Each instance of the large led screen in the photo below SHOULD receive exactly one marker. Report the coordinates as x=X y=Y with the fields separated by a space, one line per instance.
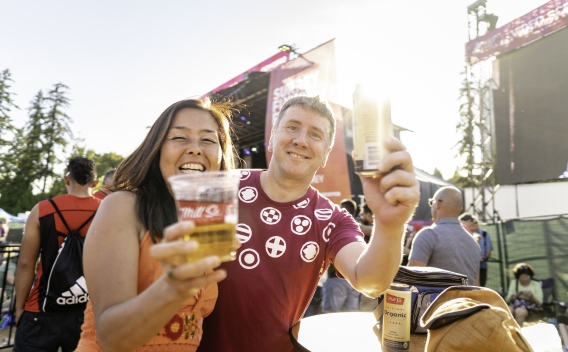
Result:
x=531 y=111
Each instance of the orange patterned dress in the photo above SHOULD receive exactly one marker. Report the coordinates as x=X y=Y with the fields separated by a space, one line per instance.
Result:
x=182 y=333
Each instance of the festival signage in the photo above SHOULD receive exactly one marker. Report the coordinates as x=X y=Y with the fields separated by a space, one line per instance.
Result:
x=541 y=21
x=312 y=73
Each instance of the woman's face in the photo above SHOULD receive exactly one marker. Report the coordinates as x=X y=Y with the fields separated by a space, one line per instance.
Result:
x=525 y=278
x=192 y=144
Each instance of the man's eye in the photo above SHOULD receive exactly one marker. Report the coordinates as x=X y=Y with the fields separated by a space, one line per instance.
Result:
x=292 y=128
x=316 y=135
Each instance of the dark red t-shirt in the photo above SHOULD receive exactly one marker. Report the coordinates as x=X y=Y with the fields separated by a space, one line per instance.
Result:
x=285 y=247
x=76 y=211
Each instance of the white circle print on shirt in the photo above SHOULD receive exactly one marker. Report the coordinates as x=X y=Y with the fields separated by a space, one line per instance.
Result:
x=309 y=251
x=249 y=258
x=301 y=224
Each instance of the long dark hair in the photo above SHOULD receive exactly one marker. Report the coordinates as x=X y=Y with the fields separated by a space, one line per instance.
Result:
x=140 y=171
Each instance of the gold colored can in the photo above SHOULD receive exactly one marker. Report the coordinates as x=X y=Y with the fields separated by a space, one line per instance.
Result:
x=371 y=126
x=396 y=318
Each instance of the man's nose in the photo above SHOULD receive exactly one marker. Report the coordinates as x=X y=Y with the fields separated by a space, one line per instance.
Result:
x=301 y=139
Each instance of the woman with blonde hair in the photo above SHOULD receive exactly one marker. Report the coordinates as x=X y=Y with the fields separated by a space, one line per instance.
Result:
x=140 y=299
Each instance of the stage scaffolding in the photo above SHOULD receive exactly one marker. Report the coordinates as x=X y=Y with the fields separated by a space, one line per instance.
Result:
x=479 y=114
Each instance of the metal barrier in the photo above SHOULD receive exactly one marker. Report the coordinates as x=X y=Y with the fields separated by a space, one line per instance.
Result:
x=9 y=256
x=542 y=243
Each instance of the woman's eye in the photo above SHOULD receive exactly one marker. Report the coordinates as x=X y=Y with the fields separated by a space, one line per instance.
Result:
x=209 y=140
x=177 y=138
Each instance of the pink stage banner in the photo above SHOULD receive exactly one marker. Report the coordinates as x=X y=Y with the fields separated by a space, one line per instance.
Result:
x=312 y=73
x=265 y=66
x=541 y=21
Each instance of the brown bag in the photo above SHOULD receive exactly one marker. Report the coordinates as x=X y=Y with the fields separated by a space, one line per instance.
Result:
x=470 y=318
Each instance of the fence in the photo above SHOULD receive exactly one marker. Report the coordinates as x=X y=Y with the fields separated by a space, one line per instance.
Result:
x=8 y=256
x=542 y=243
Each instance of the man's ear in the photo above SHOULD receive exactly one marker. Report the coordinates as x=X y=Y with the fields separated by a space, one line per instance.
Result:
x=324 y=162
x=95 y=183
x=67 y=181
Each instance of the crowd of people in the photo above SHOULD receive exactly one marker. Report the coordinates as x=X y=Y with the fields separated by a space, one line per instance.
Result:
x=304 y=254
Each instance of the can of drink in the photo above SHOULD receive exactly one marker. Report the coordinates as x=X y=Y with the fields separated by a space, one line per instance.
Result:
x=371 y=126
x=396 y=318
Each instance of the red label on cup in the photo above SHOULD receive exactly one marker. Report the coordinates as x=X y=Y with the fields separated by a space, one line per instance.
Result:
x=202 y=213
x=395 y=299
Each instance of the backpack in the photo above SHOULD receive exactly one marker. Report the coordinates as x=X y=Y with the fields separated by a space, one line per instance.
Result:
x=470 y=318
x=65 y=287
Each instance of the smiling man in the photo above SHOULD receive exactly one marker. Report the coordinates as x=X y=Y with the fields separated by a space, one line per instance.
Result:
x=290 y=234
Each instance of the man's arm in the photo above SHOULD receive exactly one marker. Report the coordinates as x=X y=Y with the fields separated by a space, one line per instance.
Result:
x=392 y=199
x=366 y=229
x=416 y=262
x=29 y=252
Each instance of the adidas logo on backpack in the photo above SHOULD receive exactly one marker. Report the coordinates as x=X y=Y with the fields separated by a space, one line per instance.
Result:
x=77 y=293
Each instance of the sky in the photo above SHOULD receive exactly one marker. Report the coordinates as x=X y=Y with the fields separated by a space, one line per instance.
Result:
x=126 y=61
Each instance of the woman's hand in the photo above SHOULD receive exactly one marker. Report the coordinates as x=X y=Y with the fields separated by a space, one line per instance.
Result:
x=185 y=279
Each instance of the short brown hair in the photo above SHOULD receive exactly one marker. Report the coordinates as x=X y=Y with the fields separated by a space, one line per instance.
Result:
x=315 y=104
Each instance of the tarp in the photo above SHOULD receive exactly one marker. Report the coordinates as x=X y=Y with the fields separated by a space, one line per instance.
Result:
x=10 y=217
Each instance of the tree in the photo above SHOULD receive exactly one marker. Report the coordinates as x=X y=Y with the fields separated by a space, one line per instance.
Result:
x=54 y=131
x=6 y=103
x=437 y=173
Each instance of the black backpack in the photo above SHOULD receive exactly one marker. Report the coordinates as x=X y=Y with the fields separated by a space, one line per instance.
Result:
x=65 y=285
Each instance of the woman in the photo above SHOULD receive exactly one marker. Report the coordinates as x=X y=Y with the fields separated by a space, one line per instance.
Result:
x=139 y=299
x=524 y=293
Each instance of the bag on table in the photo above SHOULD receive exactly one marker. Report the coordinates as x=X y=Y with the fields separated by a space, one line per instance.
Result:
x=470 y=318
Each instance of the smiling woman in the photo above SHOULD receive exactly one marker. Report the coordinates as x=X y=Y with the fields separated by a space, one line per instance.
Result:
x=135 y=239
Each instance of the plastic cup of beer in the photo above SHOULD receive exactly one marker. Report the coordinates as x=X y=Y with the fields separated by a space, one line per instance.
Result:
x=209 y=199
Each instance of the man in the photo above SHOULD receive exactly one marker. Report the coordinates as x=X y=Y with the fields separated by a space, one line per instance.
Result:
x=107 y=183
x=471 y=224
x=366 y=222
x=338 y=294
x=446 y=244
x=290 y=234
x=43 y=326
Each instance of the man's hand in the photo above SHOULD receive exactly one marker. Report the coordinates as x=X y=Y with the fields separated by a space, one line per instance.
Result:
x=393 y=196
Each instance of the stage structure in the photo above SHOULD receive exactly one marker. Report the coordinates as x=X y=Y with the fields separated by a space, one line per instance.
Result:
x=517 y=105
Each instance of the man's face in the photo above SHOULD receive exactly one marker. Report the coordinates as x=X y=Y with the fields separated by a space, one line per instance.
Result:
x=473 y=226
x=465 y=225
x=367 y=218
x=300 y=143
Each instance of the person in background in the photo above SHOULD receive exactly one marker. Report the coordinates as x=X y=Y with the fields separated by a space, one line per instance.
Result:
x=446 y=244
x=407 y=244
x=524 y=293
x=38 y=329
x=3 y=229
x=471 y=224
x=338 y=294
x=296 y=232
x=8 y=268
x=107 y=184
x=144 y=296
x=366 y=222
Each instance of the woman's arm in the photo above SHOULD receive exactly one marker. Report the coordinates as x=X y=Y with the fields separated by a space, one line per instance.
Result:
x=124 y=319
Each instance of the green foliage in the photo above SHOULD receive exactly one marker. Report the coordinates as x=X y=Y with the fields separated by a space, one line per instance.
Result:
x=104 y=162
x=462 y=181
x=28 y=159
x=437 y=173
x=6 y=103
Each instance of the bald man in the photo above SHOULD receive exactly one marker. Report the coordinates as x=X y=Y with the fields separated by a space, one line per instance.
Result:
x=446 y=244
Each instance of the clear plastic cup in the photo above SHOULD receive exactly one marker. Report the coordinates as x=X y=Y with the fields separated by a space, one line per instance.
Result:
x=209 y=199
